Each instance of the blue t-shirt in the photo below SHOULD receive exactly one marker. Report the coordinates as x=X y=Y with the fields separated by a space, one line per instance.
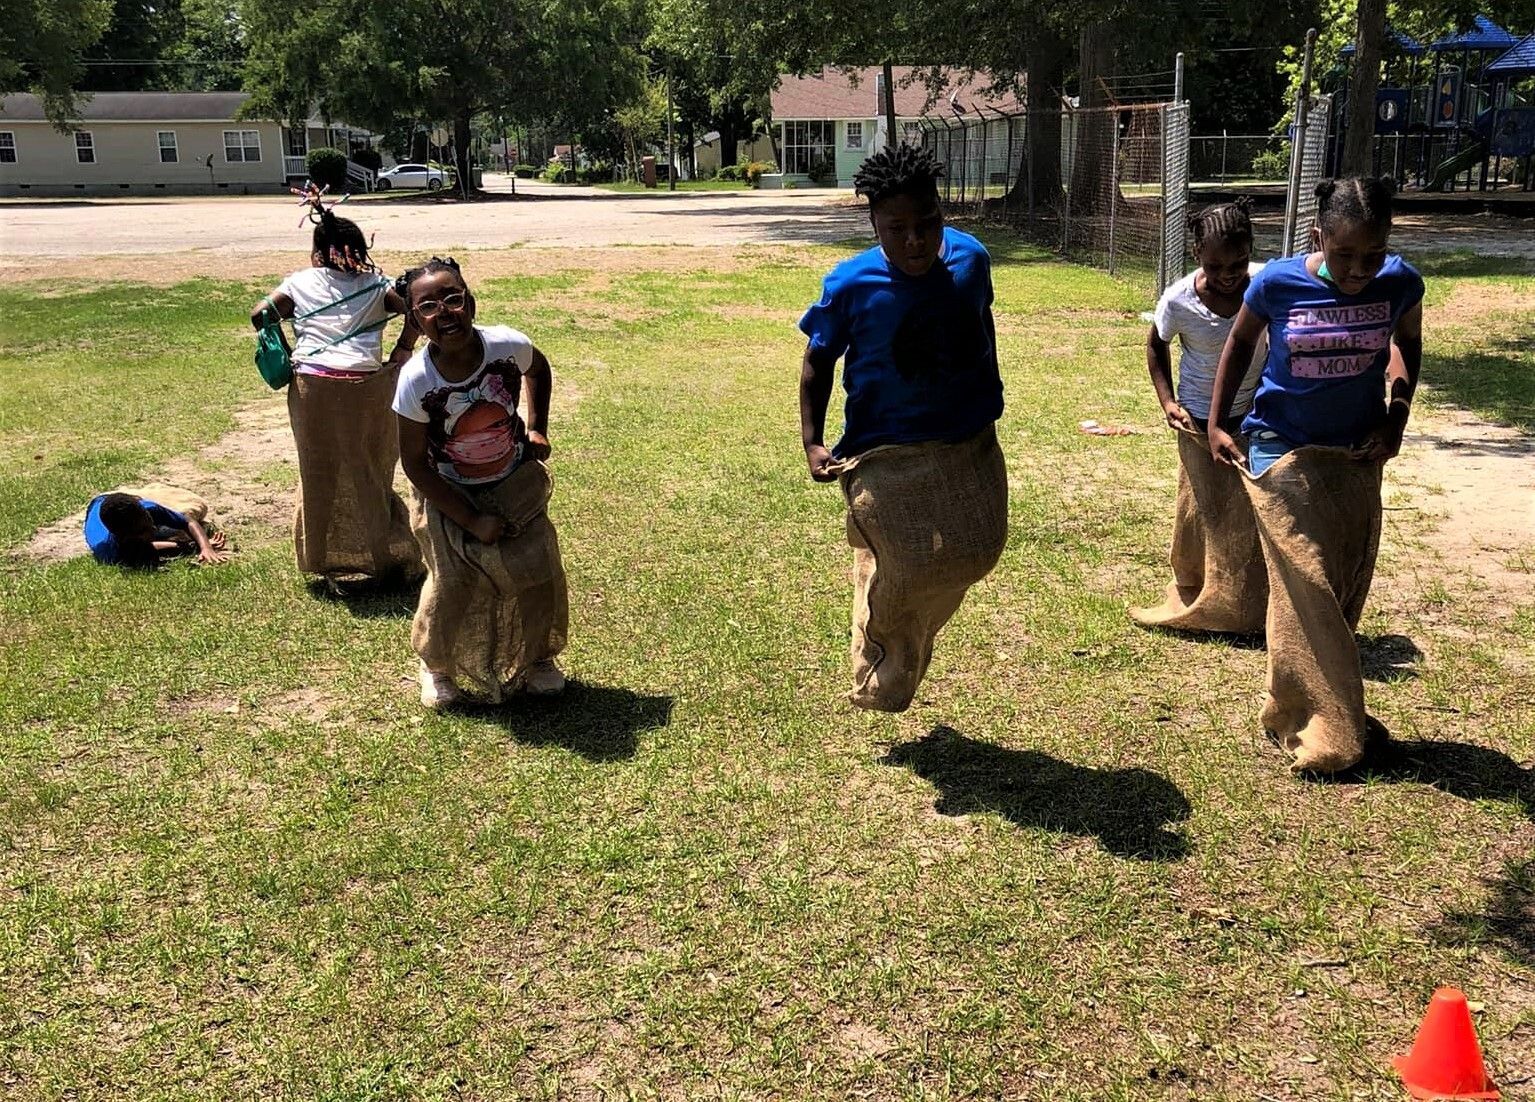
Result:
x=1324 y=381
x=921 y=351
x=103 y=544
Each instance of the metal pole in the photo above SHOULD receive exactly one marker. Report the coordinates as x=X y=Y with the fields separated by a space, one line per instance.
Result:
x=671 y=135
x=1298 y=147
x=1224 y=139
x=890 y=138
x=1178 y=78
x=1114 y=190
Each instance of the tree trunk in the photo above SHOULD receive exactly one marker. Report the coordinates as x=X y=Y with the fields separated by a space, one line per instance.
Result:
x=728 y=139
x=461 y=157
x=1364 y=81
x=1039 y=171
x=1092 y=177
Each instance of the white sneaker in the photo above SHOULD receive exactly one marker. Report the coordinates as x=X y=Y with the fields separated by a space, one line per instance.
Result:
x=543 y=679
x=437 y=689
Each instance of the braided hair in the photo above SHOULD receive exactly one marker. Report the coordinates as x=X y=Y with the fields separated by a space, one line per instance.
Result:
x=1362 y=199
x=339 y=244
x=410 y=275
x=1227 y=223
x=898 y=170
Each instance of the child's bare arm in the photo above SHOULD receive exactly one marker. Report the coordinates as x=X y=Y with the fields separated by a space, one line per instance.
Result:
x=485 y=527
x=1159 y=362
x=1402 y=369
x=1246 y=331
x=538 y=385
x=280 y=302
x=816 y=375
x=206 y=550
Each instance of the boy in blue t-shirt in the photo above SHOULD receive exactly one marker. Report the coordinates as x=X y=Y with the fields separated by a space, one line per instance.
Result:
x=918 y=459
x=127 y=530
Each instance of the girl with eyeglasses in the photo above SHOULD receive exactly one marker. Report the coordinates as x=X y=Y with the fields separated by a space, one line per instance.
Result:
x=493 y=612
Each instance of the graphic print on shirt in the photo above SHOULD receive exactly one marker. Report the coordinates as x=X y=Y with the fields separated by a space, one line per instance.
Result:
x=938 y=338
x=474 y=428
x=1336 y=341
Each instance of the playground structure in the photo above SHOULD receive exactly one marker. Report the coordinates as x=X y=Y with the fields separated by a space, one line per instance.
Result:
x=1455 y=115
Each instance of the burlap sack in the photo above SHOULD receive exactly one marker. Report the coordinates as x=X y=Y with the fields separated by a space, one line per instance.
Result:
x=185 y=502
x=926 y=522
x=1220 y=582
x=1318 y=513
x=349 y=520
x=489 y=611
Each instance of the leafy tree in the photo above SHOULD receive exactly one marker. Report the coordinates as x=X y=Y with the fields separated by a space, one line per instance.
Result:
x=374 y=62
x=42 y=43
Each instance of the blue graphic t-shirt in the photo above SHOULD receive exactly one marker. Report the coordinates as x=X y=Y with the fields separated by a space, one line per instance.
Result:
x=1324 y=381
x=921 y=351
x=103 y=544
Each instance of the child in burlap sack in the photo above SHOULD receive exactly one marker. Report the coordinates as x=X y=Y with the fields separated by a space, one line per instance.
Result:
x=493 y=612
x=1219 y=581
x=349 y=526
x=918 y=461
x=1345 y=330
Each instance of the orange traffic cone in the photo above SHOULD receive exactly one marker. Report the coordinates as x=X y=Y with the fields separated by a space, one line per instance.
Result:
x=1446 y=1061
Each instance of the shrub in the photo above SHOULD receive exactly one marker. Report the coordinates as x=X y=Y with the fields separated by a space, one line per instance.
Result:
x=557 y=172
x=369 y=158
x=1272 y=164
x=525 y=172
x=327 y=167
x=733 y=172
x=822 y=171
x=756 y=170
x=598 y=172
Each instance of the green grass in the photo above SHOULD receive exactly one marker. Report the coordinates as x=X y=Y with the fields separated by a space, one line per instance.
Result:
x=238 y=861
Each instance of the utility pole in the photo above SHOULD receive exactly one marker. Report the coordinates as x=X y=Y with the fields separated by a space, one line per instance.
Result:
x=671 y=135
x=890 y=138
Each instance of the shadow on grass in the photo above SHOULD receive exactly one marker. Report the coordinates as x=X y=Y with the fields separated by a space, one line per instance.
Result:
x=1494 y=380
x=1507 y=920
x=1388 y=658
x=1470 y=265
x=1459 y=768
x=599 y=722
x=381 y=600
x=1127 y=810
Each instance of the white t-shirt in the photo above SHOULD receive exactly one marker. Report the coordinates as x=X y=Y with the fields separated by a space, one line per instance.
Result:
x=1203 y=333
x=314 y=288
x=474 y=434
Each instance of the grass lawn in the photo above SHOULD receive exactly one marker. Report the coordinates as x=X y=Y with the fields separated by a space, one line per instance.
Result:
x=238 y=861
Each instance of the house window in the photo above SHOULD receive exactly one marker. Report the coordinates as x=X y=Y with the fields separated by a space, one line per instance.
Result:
x=167 y=139
x=242 y=145
x=85 y=147
x=806 y=142
x=298 y=142
x=7 y=147
x=854 y=135
x=911 y=133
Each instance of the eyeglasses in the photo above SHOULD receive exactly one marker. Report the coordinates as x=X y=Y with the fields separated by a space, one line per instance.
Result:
x=431 y=307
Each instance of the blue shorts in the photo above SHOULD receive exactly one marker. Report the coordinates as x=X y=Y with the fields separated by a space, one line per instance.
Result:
x=1264 y=450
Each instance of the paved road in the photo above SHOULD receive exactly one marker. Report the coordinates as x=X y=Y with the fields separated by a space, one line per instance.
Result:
x=539 y=215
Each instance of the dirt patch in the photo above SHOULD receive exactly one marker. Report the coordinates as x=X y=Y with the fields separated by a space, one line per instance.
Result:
x=1474 y=481
x=306 y=704
x=241 y=475
x=1470 y=305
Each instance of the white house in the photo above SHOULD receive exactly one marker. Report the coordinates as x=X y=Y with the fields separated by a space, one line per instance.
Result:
x=156 y=143
x=826 y=125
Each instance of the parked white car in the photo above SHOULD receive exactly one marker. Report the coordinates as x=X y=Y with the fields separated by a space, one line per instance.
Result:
x=412 y=175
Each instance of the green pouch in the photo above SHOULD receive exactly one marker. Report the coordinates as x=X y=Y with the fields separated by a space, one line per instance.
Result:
x=271 y=353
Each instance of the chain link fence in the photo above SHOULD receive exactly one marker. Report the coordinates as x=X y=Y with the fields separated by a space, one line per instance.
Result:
x=1104 y=186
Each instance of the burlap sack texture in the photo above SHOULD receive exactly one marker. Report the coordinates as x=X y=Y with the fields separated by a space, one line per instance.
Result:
x=489 y=611
x=1318 y=513
x=926 y=522
x=349 y=520
x=1220 y=582
x=185 y=502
